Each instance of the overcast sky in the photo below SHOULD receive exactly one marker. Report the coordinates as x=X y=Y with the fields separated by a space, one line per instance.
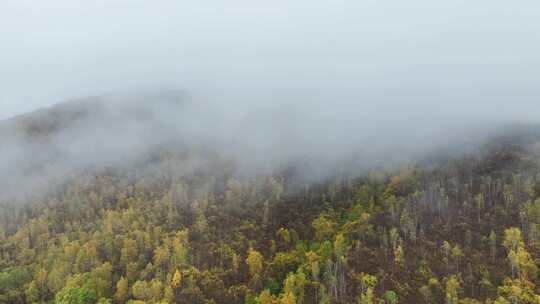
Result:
x=460 y=57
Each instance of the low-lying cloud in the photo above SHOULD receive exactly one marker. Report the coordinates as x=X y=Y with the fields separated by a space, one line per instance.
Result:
x=42 y=150
x=355 y=82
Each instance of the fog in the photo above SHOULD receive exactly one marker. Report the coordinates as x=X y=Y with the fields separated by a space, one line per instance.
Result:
x=457 y=58
x=270 y=81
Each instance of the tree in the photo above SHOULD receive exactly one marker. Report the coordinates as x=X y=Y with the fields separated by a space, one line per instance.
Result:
x=394 y=237
x=132 y=271
x=156 y=288
x=161 y=258
x=534 y=234
x=141 y=291
x=266 y=298
x=180 y=249
x=399 y=255
x=56 y=278
x=41 y=279
x=101 y=280
x=32 y=293
x=367 y=285
x=367 y=298
x=425 y=291
x=447 y=251
x=287 y=298
x=521 y=262
x=366 y=281
x=254 y=261
x=390 y=297
x=526 y=265
x=512 y=239
x=493 y=244
x=284 y=235
x=486 y=287
x=457 y=253
x=168 y=294
x=76 y=296
x=176 y=281
x=451 y=290
x=83 y=262
x=516 y=291
x=364 y=197
x=313 y=263
x=122 y=290
x=129 y=251
x=324 y=227
x=295 y=284
x=340 y=246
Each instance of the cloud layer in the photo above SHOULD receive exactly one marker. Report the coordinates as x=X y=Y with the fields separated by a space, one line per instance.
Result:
x=323 y=81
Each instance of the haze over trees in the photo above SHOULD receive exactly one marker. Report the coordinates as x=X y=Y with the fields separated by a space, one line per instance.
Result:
x=177 y=223
x=324 y=152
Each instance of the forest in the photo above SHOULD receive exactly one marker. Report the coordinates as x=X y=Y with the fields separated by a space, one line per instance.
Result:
x=447 y=229
x=269 y=152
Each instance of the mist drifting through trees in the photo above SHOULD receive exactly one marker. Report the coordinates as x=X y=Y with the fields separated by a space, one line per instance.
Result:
x=281 y=152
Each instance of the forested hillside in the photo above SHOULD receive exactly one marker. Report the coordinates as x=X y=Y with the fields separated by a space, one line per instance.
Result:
x=461 y=229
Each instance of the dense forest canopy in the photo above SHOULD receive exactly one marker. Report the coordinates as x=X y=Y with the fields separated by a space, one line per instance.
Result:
x=181 y=223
